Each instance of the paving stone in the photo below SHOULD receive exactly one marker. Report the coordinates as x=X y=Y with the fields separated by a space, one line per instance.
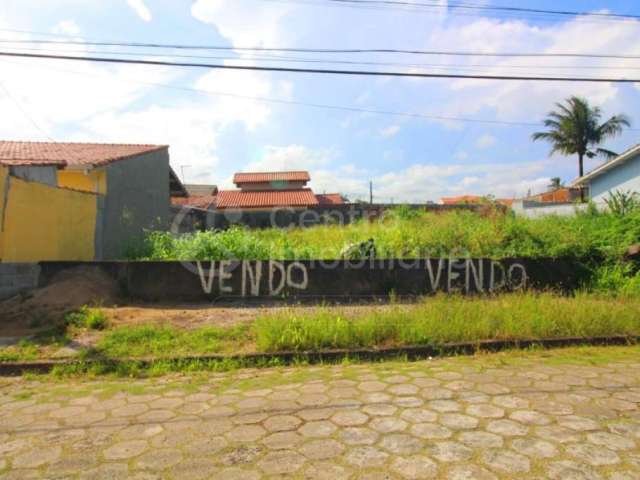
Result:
x=317 y=429
x=431 y=431
x=479 y=439
x=366 y=457
x=358 y=436
x=534 y=448
x=416 y=467
x=327 y=471
x=569 y=470
x=380 y=410
x=595 y=455
x=388 y=424
x=349 y=418
x=280 y=423
x=321 y=449
x=373 y=386
x=37 y=457
x=484 y=410
x=457 y=421
x=281 y=462
x=579 y=424
x=401 y=444
x=245 y=433
x=611 y=441
x=507 y=428
x=470 y=472
x=444 y=406
x=125 y=450
x=506 y=461
x=159 y=459
x=530 y=417
x=237 y=473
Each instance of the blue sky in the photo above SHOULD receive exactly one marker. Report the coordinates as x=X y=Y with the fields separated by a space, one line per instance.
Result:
x=407 y=158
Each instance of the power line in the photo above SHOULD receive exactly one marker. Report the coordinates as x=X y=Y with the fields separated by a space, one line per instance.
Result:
x=24 y=112
x=443 y=118
x=468 y=6
x=288 y=59
x=319 y=70
x=331 y=50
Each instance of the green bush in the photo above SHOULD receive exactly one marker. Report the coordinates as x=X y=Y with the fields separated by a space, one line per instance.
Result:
x=86 y=317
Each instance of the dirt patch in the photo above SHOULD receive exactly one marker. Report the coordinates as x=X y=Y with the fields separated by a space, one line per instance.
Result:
x=202 y=315
x=67 y=291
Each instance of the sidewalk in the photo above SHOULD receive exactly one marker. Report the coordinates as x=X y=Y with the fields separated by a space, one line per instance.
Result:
x=465 y=418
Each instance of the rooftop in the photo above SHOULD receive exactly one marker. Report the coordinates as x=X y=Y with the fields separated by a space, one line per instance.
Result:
x=64 y=154
x=265 y=177
x=605 y=167
x=265 y=199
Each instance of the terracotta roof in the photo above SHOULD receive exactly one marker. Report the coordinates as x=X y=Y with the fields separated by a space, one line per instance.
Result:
x=263 y=199
x=69 y=154
x=330 y=199
x=202 y=201
x=266 y=177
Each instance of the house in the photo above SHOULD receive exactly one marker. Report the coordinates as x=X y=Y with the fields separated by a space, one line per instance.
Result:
x=200 y=196
x=79 y=201
x=267 y=190
x=620 y=174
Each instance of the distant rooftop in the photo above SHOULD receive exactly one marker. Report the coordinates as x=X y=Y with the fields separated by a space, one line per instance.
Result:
x=266 y=177
x=66 y=154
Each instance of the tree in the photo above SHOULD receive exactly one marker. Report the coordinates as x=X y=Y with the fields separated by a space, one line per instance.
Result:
x=575 y=128
x=556 y=183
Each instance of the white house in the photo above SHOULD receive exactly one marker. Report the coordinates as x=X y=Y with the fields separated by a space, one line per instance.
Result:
x=620 y=174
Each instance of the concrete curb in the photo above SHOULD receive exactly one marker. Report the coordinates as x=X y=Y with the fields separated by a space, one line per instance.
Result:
x=288 y=357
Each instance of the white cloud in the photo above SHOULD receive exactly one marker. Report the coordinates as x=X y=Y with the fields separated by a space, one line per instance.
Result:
x=66 y=27
x=390 y=131
x=248 y=23
x=486 y=141
x=141 y=9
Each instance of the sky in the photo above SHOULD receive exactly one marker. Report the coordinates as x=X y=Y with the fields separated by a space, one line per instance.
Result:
x=218 y=122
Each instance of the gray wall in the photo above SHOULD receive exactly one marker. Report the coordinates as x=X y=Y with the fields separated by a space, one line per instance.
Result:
x=41 y=174
x=625 y=177
x=526 y=208
x=17 y=277
x=137 y=199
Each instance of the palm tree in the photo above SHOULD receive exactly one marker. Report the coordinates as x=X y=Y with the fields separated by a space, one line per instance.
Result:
x=575 y=128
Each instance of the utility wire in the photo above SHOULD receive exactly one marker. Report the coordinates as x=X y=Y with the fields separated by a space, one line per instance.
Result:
x=299 y=103
x=24 y=112
x=469 y=6
x=317 y=70
x=329 y=50
x=288 y=59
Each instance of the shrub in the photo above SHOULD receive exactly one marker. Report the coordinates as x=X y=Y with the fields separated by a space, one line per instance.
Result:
x=91 y=318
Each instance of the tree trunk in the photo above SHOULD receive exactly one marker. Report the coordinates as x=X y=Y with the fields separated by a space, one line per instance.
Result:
x=581 y=171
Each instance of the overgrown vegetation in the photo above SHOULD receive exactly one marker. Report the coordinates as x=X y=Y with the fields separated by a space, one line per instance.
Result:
x=445 y=319
x=599 y=238
x=87 y=317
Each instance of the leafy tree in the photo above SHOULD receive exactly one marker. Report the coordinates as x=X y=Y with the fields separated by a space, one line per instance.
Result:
x=556 y=183
x=575 y=128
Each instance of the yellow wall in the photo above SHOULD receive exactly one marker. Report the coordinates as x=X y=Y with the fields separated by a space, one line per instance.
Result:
x=47 y=223
x=94 y=181
x=4 y=174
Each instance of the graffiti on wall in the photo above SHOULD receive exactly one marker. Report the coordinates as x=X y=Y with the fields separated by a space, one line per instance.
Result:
x=272 y=278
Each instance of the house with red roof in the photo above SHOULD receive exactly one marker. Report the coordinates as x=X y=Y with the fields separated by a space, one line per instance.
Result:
x=261 y=191
x=79 y=201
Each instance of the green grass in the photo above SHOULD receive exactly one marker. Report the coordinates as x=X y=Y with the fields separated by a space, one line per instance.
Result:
x=420 y=234
x=166 y=341
x=445 y=319
x=86 y=317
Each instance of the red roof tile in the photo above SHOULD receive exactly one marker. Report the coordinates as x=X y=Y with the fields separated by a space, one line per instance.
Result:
x=69 y=154
x=266 y=177
x=202 y=201
x=330 y=199
x=263 y=199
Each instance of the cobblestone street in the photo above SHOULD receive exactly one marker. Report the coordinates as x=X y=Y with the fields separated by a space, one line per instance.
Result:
x=467 y=418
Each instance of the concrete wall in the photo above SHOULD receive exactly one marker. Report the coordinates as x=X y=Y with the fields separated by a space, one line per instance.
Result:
x=313 y=279
x=526 y=208
x=17 y=277
x=44 y=174
x=625 y=177
x=40 y=222
x=137 y=199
